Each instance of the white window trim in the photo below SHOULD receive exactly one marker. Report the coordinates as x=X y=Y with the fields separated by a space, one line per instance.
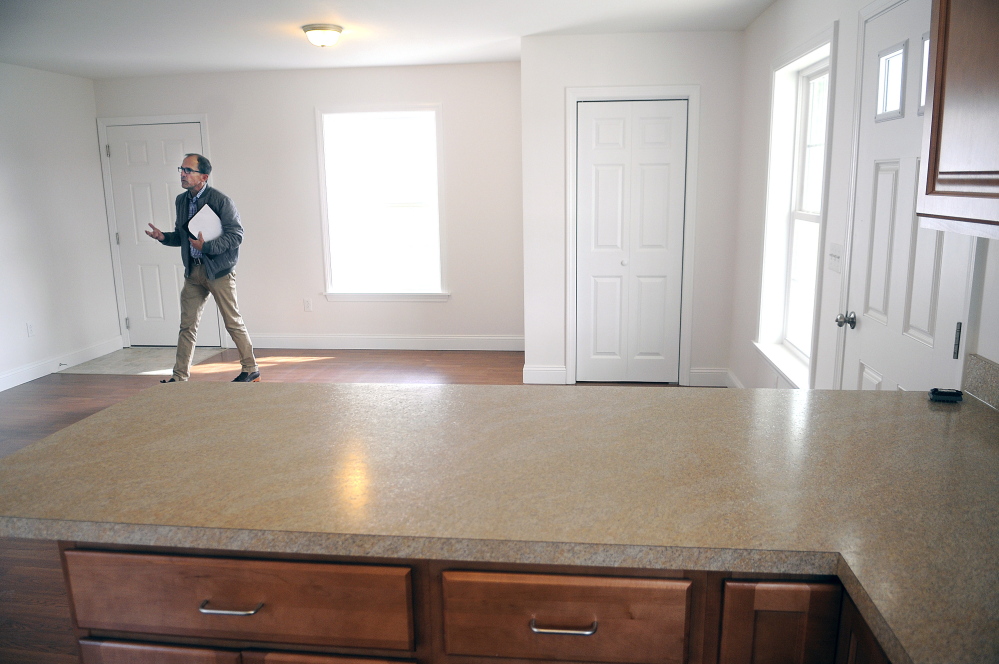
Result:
x=780 y=185
x=336 y=296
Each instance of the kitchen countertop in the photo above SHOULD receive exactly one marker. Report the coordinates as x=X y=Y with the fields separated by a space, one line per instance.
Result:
x=897 y=496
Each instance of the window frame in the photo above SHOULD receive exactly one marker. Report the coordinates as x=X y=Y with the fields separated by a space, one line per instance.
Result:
x=337 y=296
x=792 y=368
x=803 y=108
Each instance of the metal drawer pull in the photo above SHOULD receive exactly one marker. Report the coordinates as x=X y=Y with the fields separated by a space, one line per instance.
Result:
x=222 y=612
x=571 y=632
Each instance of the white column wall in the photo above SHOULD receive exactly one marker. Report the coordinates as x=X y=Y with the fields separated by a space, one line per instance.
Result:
x=55 y=266
x=549 y=65
x=263 y=143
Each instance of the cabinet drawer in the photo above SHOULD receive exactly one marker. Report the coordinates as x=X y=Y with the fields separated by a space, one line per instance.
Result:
x=576 y=618
x=117 y=652
x=283 y=602
x=253 y=657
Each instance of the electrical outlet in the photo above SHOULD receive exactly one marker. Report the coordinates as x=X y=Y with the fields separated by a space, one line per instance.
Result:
x=31 y=329
x=308 y=304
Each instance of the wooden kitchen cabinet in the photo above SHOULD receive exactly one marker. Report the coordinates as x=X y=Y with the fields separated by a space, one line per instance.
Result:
x=120 y=652
x=359 y=606
x=857 y=644
x=959 y=173
x=468 y=614
x=566 y=617
x=116 y=652
x=766 y=622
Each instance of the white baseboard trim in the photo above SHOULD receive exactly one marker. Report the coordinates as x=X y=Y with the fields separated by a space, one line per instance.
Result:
x=388 y=342
x=713 y=378
x=30 y=372
x=542 y=375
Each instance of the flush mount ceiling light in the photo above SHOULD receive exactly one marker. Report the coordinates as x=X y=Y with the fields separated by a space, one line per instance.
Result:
x=322 y=34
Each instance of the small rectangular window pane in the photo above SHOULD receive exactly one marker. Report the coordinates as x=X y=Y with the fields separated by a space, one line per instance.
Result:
x=381 y=195
x=811 y=191
x=801 y=285
x=890 y=79
x=926 y=72
x=813 y=160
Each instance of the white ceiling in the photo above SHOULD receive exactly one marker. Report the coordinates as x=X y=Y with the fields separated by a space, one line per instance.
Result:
x=115 y=38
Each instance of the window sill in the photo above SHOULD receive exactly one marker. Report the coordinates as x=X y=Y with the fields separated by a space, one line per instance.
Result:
x=388 y=297
x=786 y=363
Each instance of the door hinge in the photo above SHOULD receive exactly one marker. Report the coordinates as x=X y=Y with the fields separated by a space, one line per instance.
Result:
x=957 y=341
x=128 y=326
x=117 y=240
x=107 y=150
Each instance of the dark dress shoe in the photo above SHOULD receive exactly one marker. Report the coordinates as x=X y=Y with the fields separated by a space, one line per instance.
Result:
x=252 y=377
x=172 y=380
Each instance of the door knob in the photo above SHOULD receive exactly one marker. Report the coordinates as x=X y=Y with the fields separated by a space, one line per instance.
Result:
x=624 y=262
x=850 y=319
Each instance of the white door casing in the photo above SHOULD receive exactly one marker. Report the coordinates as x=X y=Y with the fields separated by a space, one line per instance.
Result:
x=141 y=183
x=631 y=180
x=909 y=286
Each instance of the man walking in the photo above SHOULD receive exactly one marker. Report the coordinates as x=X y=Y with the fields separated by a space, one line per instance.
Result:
x=208 y=268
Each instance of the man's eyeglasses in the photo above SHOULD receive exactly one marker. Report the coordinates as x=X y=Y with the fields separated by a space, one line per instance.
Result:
x=185 y=170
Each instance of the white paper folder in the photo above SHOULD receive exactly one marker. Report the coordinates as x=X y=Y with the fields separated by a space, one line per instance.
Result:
x=205 y=222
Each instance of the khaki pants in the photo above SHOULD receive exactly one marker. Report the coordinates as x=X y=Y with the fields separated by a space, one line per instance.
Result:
x=192 y=302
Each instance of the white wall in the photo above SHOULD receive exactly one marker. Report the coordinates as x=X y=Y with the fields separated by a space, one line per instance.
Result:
x=551 y=64
x=55 y=266
x=263 y=144
x=782 y=28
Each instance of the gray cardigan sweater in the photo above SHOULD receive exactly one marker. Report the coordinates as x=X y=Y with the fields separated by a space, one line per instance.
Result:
x=219 y=255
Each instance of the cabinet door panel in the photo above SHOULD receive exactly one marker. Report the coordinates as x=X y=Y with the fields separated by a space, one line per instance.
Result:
x=115 y=652
x=363 y=606
x=779 y=623
x=857 y=644
x=575 y=618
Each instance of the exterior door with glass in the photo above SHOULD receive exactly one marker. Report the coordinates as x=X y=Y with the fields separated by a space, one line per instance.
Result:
x=909 y=286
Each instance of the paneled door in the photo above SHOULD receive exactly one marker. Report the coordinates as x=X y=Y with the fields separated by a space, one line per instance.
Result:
x=143 y=161
x=631 y=170
x=908 y=285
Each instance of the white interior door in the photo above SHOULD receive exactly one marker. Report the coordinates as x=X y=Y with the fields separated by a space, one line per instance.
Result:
x=631 y=171
x=143 y=162
x=908 y=285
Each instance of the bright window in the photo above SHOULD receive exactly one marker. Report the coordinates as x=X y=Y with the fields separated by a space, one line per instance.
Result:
x=806 y=209
x=891 y=83
x=926 y=72
x=796 y=202
x=382 y=207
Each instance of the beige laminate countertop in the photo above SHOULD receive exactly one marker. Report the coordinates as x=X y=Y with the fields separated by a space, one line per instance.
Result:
x=896 y=495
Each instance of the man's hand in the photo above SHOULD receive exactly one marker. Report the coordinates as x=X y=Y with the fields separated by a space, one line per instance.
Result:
x=199 y=243
x=156 y=233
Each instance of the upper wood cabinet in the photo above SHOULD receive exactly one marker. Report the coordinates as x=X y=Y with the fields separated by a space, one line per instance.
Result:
x=959 y=173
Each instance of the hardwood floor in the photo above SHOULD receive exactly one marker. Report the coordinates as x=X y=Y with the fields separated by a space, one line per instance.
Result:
x=372 y=366
x=34 y=410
